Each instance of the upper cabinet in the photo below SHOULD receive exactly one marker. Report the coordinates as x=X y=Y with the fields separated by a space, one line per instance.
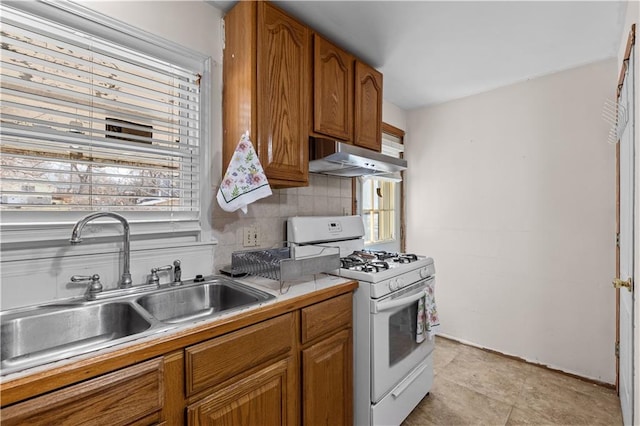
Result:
x=282 y=88
x=347 y=97
x=368 y=107
x=332 y=90
x=266 y=89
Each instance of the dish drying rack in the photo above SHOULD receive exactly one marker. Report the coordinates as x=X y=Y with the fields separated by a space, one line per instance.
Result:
x=286 y=263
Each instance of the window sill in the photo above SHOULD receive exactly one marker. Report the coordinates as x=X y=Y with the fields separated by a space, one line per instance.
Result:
x=47 y=234
x=99 y=247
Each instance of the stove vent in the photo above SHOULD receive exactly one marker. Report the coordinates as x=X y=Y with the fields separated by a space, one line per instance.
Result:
x=335 y=158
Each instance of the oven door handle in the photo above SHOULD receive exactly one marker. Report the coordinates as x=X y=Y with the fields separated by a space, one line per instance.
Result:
x=394 y=303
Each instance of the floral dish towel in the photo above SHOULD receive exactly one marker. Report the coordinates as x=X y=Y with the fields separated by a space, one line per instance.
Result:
x=245 y=181
x=427 y=318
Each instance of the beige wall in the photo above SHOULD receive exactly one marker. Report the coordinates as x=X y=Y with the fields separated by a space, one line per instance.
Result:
x=512 y=193
x=394 y=115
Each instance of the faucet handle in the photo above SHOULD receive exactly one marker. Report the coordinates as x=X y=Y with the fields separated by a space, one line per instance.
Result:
x=177 y=272
x=94 y=288
x=154 y=278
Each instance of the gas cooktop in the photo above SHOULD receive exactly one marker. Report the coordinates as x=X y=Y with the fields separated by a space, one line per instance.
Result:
x=374 y=260
x=374 y=266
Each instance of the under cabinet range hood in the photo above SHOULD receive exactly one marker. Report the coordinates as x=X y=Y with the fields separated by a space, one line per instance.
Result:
x=330 y=157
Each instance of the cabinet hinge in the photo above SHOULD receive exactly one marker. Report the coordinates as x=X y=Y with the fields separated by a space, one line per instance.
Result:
x=617 y=239
x=617 y=349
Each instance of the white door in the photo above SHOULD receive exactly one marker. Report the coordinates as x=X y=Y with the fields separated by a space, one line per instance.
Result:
x=627 y=247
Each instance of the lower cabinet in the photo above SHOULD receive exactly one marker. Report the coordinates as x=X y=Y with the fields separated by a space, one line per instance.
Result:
x=262 y=398
x=293 y=369
x=327 y=378
x=327 y=362
x=133 y=395
x=247 y=377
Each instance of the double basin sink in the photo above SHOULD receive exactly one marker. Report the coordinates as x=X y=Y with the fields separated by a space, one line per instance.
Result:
x=38 y=335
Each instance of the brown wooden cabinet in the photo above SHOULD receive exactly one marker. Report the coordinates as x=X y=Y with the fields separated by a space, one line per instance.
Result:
x=327 y=377
x=368 y=107
x=133 y=395
x=327 y=365
x=266 y=74
x=332 y=90
x=272 y=89
x=347 y=97
x=245 y=377
x=265 y=397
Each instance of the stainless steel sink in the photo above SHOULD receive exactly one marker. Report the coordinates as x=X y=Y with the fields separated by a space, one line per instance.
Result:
x=39 y=335
x=191 y=303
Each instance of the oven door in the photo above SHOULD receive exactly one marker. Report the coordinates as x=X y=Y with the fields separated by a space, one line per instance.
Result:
x=394 y=350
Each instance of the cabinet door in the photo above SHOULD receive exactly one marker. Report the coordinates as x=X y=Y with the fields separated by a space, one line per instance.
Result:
x=368 y=107
x=266 y=397
x=332 y=90
x=237 y=352
x=283 y=73
x=327 y=376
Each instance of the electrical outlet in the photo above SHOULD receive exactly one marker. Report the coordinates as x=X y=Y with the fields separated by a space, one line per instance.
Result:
x=251 y=236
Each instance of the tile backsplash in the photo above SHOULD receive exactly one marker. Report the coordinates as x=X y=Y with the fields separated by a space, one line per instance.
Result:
x=31 y=281
x=325 y=195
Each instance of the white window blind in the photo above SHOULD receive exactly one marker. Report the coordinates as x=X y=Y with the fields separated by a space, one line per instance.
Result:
x=392 y=145
x=88 y=124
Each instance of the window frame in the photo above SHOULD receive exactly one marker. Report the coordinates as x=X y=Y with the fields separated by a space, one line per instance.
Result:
x=356 y=191
x=381 y=209
x=400 y=134
x=23 y=229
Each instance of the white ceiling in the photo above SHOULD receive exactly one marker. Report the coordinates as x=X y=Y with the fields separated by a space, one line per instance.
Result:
x=434 y=51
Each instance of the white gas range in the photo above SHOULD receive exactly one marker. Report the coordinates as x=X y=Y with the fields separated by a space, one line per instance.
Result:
x=393 y=369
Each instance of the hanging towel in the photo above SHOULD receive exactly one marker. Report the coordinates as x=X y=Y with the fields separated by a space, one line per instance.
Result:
x=421 y=323
x=245 y=181
x=427 y=318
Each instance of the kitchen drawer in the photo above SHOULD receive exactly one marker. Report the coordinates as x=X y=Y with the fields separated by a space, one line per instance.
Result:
x=216 y=360
x=133 y=395
x=326 y=316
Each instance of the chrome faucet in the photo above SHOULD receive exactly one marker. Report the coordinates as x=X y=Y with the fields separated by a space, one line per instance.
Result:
x=125 y=280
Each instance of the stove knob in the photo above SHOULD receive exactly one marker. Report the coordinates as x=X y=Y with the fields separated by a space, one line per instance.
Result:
x=424 y=272
x=393 y=285
x=400 y=282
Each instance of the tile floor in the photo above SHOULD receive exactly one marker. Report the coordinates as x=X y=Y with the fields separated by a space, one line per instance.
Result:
x=476 y=387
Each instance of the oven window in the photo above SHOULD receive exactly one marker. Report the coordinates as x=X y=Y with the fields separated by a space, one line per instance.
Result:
x=402 y=333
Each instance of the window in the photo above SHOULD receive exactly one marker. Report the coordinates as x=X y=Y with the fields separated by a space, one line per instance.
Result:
x=378 y=210
x=96 y=116
x=380 y=199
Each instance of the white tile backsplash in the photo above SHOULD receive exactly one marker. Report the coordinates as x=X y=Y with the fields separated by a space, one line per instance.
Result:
x=33 y=281
x=334 y=186
x=325 y=195
x=345 y=187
